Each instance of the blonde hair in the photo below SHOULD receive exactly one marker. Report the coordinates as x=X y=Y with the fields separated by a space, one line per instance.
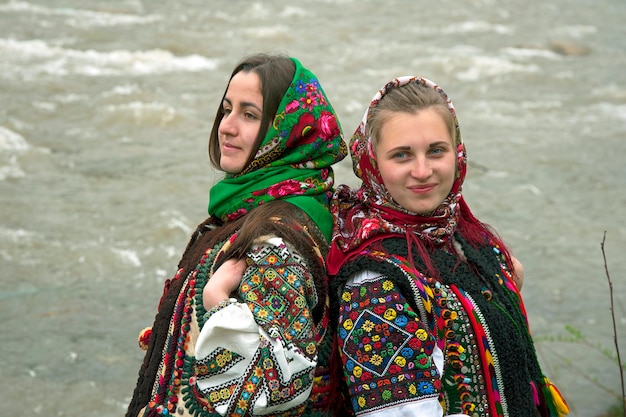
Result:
x=409 y=98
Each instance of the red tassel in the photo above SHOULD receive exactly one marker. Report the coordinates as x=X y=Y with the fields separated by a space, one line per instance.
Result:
x=144 y=338
x=535 y=394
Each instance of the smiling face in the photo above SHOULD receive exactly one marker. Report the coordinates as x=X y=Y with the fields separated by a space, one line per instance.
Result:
x=239 y=128
x=416 y=159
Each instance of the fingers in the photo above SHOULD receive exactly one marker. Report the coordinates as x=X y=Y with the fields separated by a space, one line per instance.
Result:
x=518 y=272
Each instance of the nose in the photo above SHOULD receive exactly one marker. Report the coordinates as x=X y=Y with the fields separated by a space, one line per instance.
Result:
x=228 y=126
x=421 y=169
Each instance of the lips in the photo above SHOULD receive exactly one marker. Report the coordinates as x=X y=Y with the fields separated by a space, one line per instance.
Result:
x=422 y=189
x=229 y=147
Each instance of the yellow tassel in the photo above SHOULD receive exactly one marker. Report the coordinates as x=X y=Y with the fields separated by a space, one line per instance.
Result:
x=559 y=402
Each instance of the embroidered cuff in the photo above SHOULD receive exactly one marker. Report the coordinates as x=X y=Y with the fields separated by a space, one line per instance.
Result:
x=221 y=305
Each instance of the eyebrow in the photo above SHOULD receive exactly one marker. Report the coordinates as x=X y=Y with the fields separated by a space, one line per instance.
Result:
x=432 y=145
x=439 y=143
x=399 y=148
x=243 y=104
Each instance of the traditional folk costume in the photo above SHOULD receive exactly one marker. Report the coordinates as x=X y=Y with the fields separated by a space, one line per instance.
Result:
x=265 y=351
x=430 y=322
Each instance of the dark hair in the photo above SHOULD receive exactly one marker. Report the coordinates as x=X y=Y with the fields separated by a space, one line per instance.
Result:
x=280 y=218
x=275 y=73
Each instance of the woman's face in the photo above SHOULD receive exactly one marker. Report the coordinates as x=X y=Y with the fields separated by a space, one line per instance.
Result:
x=239 y=128
x=416 y=159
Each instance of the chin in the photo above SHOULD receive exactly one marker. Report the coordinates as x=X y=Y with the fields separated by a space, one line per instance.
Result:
x=423 y=211
x=230 y=169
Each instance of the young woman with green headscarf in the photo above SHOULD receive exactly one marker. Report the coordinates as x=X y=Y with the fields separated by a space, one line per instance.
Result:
x=241 y=328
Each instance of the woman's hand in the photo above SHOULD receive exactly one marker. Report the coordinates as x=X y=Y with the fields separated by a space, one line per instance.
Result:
x=223 y=282
x=518 y=273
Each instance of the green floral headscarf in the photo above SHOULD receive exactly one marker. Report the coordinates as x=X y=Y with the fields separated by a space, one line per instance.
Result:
x=293 y=162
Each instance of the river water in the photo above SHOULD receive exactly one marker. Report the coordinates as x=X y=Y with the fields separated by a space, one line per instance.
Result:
x=105 y=110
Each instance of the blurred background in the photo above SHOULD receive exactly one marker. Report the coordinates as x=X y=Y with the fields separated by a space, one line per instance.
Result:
x=105 y=111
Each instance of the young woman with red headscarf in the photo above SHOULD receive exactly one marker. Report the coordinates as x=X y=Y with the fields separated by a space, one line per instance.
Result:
x=430 y=318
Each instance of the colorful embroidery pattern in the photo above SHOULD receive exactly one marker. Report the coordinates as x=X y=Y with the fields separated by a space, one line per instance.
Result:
x=385 y=348
x=465 y=389
x=219 y=361
x=462 y=338
x=276 y=295
x=168 y=385
x=473 y=381
x=263 y=376
x=284 y=369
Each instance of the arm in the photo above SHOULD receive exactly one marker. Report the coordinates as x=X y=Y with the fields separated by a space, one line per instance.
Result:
x=261 y=350
x=518 y=272
x=224 y=281
x=392 y=364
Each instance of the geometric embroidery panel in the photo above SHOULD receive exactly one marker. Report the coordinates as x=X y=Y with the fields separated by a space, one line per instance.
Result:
x=374 y=342
x=275 y=293
x=218 y=362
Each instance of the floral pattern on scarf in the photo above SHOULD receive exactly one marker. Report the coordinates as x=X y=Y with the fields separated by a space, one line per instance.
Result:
x=293 y=160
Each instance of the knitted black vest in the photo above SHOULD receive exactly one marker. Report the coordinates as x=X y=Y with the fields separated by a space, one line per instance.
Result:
x=480 y=278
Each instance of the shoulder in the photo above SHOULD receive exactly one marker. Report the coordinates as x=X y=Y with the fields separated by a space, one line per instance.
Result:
x=373 y=265
x=364 y=277
x=288 y=222
x=282 y=220
x=382 y=257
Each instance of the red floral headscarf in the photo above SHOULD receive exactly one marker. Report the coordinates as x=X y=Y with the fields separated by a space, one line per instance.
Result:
x=369 y=213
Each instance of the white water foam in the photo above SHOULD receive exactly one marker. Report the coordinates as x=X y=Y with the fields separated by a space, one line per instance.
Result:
x=129 y=257
x=489 y=66
x=31 y=58
x=141 y=112
x=80 y=17
x=475 y=27
x=12 y=141
x=530 y=53
x=12 y=170
x=17 y=235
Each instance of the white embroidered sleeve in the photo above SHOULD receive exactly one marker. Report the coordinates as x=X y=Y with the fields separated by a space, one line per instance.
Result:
x=258 y=356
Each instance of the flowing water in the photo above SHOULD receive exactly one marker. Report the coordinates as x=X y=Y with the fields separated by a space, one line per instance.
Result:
x=105 y=110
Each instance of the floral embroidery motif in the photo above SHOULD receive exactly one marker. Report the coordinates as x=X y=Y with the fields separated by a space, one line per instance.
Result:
x=386 y=349
x=377 y=352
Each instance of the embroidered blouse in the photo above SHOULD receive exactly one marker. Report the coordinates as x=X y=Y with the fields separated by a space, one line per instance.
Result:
x=420 y=347
x=264 y=352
